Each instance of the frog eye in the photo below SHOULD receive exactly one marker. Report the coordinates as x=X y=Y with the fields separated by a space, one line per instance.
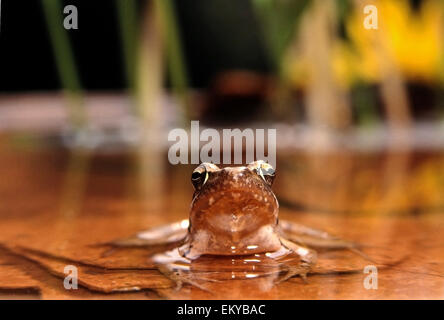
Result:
x=199 y=177
x=267 y=174
x=264 y=170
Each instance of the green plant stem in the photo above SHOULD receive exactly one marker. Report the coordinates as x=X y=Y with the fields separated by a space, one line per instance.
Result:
x=176 y=62
x=65 y=61
x=127 y=14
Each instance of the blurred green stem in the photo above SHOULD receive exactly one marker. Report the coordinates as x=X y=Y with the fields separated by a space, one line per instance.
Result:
x=279 y=21
x=65 y=62
x=74 y=182
x=365 y=103
x=176 y=62
x=127 y=13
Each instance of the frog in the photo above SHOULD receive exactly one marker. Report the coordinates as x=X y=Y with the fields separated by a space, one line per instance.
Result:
x=235 y=213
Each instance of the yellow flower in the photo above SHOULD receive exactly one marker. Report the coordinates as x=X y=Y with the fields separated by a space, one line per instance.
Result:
x=411 y=40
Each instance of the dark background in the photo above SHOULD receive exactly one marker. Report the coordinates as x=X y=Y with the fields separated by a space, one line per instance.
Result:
x=217 y=35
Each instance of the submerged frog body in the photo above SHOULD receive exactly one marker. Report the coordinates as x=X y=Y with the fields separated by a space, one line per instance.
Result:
x=234 y=213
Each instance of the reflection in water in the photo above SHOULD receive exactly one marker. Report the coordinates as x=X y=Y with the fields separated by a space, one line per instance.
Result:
x=75 y=182
x=356 y=183
x=266 y=268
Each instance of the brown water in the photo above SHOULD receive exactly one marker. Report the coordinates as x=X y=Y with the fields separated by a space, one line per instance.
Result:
x=390 y=202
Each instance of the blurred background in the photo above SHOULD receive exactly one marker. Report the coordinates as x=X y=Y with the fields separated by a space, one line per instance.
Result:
x=359 y=112
x=270 y=54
